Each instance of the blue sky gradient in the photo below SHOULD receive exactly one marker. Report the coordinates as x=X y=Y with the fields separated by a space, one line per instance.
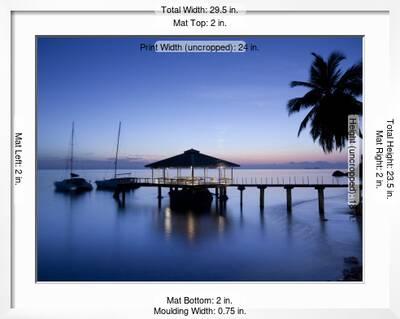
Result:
x=229 y=105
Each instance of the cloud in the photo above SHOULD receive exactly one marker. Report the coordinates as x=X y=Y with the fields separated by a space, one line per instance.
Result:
x=87 y=163
x=138 y=161
x=133 y=158
x=298 y=165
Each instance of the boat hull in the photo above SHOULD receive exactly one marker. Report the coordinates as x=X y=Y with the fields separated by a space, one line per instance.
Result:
x=113 y=183
x=195 y=198
x=73 y=185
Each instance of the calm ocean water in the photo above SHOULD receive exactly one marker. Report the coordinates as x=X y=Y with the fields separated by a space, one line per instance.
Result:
x=89 y=237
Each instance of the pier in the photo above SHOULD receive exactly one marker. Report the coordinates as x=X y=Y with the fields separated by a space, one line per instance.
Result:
x=220 y=187
x=190 y=185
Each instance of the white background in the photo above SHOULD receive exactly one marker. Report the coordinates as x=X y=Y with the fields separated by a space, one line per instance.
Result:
x=50 y=301
x=372 y=293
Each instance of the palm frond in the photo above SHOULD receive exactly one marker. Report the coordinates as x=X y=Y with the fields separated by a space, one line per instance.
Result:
x=304 y=84
x=333 y=63
x=305 y=121
x=335 y=58
x=351 y=80
x=318 y=71
x=309 y=99
x=332 y=96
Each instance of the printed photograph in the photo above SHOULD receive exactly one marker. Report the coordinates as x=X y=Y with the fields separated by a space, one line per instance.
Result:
x=199 y=158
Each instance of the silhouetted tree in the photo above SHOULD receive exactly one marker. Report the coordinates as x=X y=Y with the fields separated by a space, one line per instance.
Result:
x=331 y=97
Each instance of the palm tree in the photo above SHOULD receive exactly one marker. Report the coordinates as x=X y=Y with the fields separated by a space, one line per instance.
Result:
x=332 y=96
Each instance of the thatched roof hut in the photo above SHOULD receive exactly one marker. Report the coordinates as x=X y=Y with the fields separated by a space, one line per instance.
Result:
x=192 y=159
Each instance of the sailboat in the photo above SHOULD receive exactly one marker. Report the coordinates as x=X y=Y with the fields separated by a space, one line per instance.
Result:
x=74 y=183
x=113 y=183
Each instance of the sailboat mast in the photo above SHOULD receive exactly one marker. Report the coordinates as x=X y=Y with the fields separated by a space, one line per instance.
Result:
x=72 y=148
x=116 y=153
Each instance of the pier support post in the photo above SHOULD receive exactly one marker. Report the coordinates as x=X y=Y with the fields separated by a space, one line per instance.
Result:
x=116 y=194
x=216 y=192
x=159 y=196
x=120 y=199
x=321 y=201
x=223 y=195
x=289 y=198
x=262 y=191
x=241 y=189
x=222 y=199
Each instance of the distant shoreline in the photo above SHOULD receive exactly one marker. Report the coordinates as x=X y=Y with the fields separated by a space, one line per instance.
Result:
x=123 y=164
x=239 y=168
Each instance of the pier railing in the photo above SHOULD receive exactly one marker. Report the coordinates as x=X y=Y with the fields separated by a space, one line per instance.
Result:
x=289 y=180
x=288 y=183
x=183 y=181
x=270 y=181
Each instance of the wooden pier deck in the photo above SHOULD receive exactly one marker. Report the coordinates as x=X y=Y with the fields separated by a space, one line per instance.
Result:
x=221 y=185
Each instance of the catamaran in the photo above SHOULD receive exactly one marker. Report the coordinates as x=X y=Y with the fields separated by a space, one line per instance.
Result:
x=113 y=183
x=74 y=183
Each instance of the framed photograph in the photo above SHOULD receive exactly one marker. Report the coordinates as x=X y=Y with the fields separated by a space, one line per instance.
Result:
x=200 y=161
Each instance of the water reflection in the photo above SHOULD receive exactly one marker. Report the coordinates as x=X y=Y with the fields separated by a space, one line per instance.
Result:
x=168 y=221
x=289 y=228
x=262 y=220
x=221 y=224
x=72 y=196
x=192 y=224
x=90 y=237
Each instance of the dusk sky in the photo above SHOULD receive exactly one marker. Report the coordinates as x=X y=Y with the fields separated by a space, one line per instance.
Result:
x=229 y=105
